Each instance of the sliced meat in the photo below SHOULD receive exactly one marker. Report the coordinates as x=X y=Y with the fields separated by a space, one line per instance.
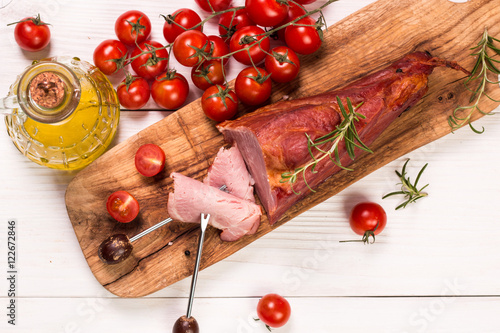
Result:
x=229 y=169
x=236 y=217
x=272 y=139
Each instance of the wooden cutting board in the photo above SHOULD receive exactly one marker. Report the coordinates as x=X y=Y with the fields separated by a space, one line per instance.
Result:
x=366 y=41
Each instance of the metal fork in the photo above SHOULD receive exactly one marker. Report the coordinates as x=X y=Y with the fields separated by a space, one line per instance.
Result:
x=203 y=226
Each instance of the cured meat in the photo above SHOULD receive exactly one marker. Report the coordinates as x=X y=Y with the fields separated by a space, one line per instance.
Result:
x=236 y=217
x=229 y=169
x=272 y=140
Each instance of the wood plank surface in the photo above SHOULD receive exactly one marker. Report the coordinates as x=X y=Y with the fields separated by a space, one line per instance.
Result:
x=363 y=42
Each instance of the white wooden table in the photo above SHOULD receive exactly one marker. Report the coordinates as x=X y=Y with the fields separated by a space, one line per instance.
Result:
x=436 y=267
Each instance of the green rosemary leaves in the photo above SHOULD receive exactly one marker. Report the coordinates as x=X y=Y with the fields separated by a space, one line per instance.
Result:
x=479 y=75
x=345 y=131
x=410 y=191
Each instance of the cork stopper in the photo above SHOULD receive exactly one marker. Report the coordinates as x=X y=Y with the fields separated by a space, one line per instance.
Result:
x=47 y=90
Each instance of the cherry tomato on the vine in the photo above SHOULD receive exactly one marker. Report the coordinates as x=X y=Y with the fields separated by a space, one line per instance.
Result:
x=174 y=22
x=133 y=92
x=216 y=5
x=218 y=48
x=249 y=36
x=149 y=65
x=132 y=27
x=283 y=64
x=253 y=86
x=190 y=47
x=207 y=74
x=149 y=160
x=32 y=34
x=367 y=219
x=302 y=36
x=219 y=103
x=294 y=11
x=274 y=310
x=267 y=13
x=170 y=90
x=110 y=56
x=122 y=206
x=231 y=21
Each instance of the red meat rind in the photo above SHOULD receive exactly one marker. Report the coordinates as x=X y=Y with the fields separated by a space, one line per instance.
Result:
x=272 y=139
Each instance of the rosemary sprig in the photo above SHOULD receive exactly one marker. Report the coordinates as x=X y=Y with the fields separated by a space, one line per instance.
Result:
x=409 y=190
x=345 y=131
x=484 y=64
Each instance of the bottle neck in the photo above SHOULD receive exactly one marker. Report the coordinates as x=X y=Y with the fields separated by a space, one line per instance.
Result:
x=48 y=92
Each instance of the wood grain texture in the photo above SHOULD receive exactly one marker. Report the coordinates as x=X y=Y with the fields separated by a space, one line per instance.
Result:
x=364 y=42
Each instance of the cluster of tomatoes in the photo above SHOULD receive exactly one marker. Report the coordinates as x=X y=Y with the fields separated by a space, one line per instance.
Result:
x=245 y=34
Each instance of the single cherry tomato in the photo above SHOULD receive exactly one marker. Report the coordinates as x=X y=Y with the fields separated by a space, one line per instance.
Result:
x=231 y=21
x=110 y=56
x=122 y=206
x=253 y=86
x=170 y=90
x=294 y=11
x=368 y=219
x=133 y=92
x=283 y=64
x=249 y=37
x=149 y=65
x=32 y=34
x=149 y=160
x=207 y=74
x=213 y=5
x=218 y=48
x=132 y=27
x=219 y=103
x=274 y=310
x=174 y=22
x=266 y=13
x=191 y=47
x=303 y=36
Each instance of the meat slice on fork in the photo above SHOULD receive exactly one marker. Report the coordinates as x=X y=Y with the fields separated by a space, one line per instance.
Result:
x=229 y=169
x=236 y=217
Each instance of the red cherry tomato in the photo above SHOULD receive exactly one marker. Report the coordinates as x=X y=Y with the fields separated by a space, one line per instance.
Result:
x=184 y=17
x=122 y=206
x=248 y=37
x=132 y=27
x=207 y=74
x=32 y=34
x=253 y=87
x=170 y=90
x=216 y=5
x=231 y=21
x=190 y=46
x=283 y=64
x=368 y=219
x=133 y=92
x=219 y=103
x=218 y=48
x=266 y=13
x=110 y=56
x=274 y=310
x=149 y=65
x=302 y=36
x=149 y=160
x=294 y=11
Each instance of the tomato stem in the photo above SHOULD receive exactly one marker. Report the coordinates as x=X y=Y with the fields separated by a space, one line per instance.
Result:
x=366 y=236
x=36 y=20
